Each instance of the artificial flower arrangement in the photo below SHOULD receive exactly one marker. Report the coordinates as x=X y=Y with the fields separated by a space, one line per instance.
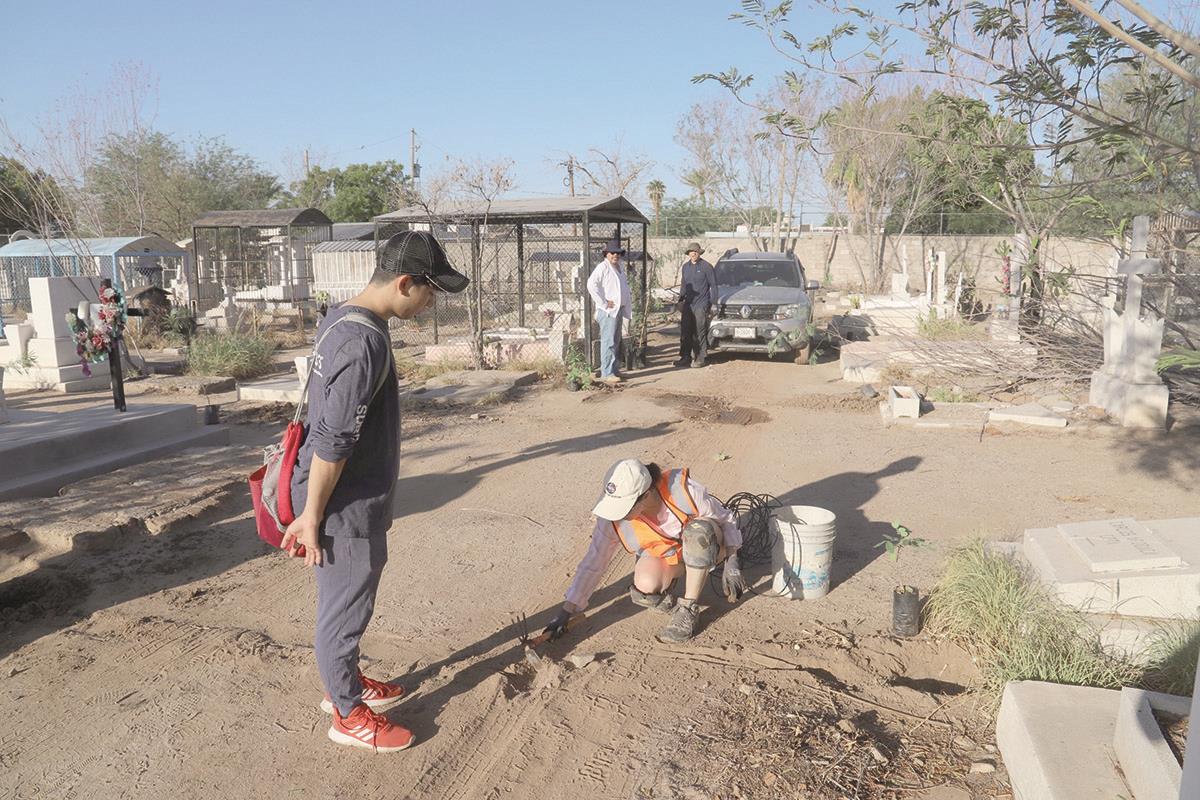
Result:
x=94 y=344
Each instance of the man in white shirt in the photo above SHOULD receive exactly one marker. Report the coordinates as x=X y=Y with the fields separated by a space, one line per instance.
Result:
x=610 y=294
x=674 y=528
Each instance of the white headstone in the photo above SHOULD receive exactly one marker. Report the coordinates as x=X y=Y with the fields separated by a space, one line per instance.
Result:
x=303 y=366
x=1119 y=545
x=942 y=291
x=52 y=348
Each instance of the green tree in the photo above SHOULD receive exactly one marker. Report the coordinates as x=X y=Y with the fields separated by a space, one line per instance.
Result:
x=689 y=217
x=354 y=193
x=29 y=199
x=146 y=182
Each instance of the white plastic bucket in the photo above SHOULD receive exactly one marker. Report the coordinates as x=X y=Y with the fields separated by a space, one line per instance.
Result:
x=803 y=551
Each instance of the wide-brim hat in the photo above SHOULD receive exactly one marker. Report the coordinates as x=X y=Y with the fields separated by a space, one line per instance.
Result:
x=694 y=246
x=624 y=483
x=614 y=246
x=419 y=253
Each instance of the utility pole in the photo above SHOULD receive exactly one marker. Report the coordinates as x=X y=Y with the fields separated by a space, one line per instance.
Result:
x=570 y=183
x=306 y=162
x=414 y=169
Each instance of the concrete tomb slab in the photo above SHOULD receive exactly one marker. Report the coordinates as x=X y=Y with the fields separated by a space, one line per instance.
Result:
x=1119 y=545
x=1151 y=769
x=1129 y=587
x=1028 y=414
x=1057 y=741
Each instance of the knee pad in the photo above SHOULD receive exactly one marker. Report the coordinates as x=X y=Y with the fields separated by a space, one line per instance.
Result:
x=657 y=602
x=700 y=544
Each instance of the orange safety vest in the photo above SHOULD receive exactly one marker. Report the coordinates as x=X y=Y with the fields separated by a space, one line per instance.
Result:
x=644 y=536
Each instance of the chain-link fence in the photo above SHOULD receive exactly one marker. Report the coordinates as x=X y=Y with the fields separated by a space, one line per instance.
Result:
x=528 y=262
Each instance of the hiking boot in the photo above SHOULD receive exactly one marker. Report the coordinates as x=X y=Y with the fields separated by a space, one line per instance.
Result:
x=662 y=603
x=371 y=731
x=683 y=362
x=376 y=695
x=611 y=380
x=683 y=622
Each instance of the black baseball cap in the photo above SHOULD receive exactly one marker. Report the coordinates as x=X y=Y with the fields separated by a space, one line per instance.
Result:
x=419 y=253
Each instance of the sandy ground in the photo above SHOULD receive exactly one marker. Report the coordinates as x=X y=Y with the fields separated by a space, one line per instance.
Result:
x=181 y=666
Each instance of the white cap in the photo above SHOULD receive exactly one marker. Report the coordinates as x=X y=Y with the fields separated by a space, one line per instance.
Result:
x=625 y=482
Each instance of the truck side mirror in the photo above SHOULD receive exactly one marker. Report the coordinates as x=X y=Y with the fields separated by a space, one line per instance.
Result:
x=812 y=286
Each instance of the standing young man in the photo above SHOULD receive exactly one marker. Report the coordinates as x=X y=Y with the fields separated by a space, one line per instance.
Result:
x=697 y=294
x=610 y=294
x=346 y=473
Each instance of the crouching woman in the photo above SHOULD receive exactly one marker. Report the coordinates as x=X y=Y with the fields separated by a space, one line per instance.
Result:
x=674 y=528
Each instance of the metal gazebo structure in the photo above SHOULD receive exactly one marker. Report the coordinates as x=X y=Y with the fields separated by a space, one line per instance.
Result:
x=130 y=261
x=259 y=255
x=510 y=249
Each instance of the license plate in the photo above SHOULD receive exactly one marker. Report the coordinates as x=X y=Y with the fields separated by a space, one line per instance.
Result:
x=745 y=333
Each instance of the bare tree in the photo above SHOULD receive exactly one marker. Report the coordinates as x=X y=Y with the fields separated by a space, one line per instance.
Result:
x=612 y=171
x=752 y=166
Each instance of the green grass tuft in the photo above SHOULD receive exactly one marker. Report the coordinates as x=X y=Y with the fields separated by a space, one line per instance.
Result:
x=1016 y=629
x=236 y=355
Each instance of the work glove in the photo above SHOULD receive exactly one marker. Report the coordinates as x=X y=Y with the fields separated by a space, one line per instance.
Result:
x=558 y=625
x=732 y=581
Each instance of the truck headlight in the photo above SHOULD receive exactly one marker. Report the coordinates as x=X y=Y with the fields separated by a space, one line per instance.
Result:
x=788 y=311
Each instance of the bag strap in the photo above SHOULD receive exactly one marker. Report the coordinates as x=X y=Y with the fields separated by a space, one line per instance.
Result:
x=357 y=318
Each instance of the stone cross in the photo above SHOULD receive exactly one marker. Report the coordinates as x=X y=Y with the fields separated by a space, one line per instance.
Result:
x=1138 y=341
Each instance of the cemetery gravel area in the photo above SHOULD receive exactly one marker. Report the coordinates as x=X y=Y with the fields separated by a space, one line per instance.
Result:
x=181 y=664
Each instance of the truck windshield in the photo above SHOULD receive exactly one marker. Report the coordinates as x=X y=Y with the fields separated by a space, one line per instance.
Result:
x=758 y=273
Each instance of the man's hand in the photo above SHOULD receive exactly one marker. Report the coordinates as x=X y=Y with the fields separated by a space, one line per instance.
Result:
x=304 y=533
x=732 y=581
x=558 y=625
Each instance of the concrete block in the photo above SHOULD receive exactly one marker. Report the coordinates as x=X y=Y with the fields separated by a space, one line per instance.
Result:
x=1150 y=768
x=1164 y=593
x=1134 y=405
x=905 y=402
x=42 y=451
x=1057 y=741
x=1028 y=414
x=276 y=390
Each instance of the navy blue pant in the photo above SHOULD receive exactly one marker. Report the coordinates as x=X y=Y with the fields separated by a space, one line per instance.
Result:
x=347 y=581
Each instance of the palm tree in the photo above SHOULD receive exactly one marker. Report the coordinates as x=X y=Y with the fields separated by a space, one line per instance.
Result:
x=699 y=181
x=657 y=190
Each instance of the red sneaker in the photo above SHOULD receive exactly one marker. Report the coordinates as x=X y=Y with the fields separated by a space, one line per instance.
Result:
x=364 y=728
x=377 y=695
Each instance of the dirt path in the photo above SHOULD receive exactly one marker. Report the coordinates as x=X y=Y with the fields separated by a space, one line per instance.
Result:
x=182 y=667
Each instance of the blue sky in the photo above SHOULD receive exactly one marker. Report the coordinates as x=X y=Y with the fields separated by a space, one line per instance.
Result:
x=525 y=80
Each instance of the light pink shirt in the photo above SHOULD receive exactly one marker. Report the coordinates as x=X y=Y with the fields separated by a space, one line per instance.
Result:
x=605 y=543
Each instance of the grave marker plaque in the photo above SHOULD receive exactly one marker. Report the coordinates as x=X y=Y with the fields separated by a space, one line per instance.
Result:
x=1119 y=545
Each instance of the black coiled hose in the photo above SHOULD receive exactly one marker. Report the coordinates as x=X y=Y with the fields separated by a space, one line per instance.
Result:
x=753 y=514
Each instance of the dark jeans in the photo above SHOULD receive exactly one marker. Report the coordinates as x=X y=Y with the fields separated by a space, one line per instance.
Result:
x=693 y=333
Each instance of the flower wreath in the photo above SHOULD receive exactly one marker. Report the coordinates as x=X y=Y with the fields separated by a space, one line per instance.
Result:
x=94 y=344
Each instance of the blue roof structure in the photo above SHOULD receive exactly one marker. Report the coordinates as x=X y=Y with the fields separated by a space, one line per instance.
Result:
x=103 y=246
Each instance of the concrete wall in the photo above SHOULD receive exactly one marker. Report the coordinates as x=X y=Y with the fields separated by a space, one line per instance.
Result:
x=975 y=255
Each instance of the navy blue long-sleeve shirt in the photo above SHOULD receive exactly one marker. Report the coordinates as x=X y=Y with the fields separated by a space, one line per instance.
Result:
x=346 y=422
x=699 y=284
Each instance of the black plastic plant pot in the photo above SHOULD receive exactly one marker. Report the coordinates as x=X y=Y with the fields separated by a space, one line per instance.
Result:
x=906 y=611
x=573 y=385
x=629 y=357
x=212 y=415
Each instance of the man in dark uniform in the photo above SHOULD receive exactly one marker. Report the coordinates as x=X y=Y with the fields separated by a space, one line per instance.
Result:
x=697 y=293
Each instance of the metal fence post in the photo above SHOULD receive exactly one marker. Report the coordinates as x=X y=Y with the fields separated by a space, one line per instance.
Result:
x=587 y=296
x=520 y=275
